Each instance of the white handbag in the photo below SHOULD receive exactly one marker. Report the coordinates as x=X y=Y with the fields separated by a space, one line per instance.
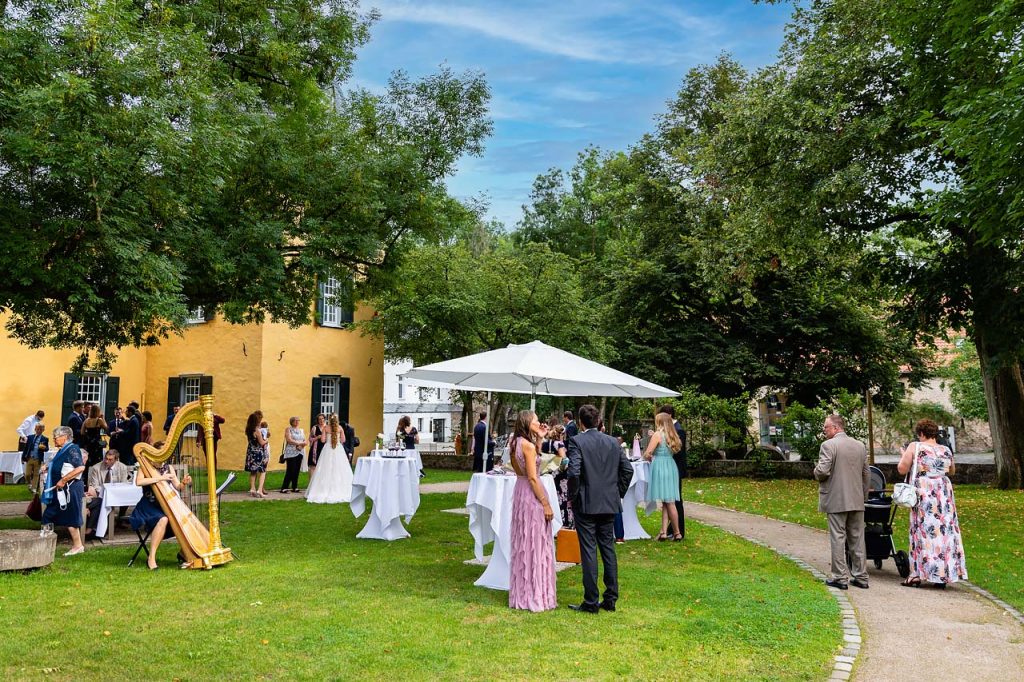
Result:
x=905 y=494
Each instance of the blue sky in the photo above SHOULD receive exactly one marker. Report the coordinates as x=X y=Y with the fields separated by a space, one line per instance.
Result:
x=563 y=74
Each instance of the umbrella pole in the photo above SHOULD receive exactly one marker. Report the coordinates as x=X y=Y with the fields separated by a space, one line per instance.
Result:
x=487 y=436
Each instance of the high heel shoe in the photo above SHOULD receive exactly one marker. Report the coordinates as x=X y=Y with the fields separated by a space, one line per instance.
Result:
x=661 y=537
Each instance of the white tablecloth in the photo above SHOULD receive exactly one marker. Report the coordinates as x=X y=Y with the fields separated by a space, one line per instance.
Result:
x=393 y=483
x=10 y=462
x=415 y=454
x=116 y=495
x=489 y=502
x=636 y=496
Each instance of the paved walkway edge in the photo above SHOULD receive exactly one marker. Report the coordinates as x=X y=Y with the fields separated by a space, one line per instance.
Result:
x=844 y=661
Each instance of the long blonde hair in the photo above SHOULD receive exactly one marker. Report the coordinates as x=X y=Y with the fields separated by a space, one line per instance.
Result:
x=668 y=431
x=333 y=427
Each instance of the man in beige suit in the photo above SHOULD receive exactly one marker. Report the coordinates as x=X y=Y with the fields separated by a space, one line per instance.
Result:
x=843 y=479
x=109 y=470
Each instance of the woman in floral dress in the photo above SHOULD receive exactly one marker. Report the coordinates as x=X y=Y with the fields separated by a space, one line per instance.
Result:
x=936 y=548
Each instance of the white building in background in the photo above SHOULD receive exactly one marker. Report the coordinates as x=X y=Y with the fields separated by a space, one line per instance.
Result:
x=431 y=409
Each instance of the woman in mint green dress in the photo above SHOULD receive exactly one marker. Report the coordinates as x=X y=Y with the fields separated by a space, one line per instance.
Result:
x=663 y=485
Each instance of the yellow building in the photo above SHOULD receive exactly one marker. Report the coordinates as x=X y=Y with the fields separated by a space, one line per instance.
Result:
x=324 y=367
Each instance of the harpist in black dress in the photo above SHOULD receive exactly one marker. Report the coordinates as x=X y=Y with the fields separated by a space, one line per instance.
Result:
x=149 y=514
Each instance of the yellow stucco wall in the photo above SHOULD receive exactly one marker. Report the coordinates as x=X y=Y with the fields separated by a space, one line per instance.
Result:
x=292 y=357
x=33 y=379
x=248 y=368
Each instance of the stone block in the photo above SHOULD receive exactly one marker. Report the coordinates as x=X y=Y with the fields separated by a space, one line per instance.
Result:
x=24 y=549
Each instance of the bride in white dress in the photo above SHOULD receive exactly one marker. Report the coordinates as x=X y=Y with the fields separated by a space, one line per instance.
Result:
x=333 y=481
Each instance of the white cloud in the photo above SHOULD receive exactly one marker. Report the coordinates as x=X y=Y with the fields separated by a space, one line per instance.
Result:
x=565 y=29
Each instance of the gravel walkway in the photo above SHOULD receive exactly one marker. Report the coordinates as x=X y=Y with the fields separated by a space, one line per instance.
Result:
x=953 y=632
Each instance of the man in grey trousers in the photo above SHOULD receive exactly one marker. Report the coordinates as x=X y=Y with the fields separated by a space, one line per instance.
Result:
x=843 y=479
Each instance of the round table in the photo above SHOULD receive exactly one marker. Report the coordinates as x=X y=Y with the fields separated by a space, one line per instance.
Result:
x=407 y=453
x=10 y=462
x=393 y=484
x=634 y=497
x=489 y=502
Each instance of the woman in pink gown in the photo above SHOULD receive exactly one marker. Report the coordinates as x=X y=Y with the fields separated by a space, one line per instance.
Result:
x=532 y=560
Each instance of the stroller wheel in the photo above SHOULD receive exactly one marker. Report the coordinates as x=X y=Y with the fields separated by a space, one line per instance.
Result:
x=902 y=563
x=878 y=564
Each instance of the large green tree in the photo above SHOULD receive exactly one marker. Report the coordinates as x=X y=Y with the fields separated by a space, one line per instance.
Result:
x=480 y=291
x=637 y=222
x=890 y=129
x=154 y=158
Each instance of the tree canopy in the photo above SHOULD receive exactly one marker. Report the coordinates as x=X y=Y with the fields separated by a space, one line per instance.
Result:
x=158 y=158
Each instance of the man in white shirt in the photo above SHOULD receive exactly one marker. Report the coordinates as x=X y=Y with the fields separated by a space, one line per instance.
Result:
x=28 y=427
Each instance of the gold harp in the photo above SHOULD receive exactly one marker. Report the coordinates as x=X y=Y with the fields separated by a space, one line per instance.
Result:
x=199 y=544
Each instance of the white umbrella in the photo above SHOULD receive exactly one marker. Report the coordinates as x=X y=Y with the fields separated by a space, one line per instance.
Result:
x=536 y=368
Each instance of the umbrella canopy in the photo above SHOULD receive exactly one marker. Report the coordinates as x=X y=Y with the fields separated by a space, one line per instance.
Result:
x=536 y=368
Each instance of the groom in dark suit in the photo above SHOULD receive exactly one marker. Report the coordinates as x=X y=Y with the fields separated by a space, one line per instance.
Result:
x=599 y=475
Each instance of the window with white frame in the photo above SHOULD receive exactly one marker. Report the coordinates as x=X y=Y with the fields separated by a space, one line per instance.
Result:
x=401 y=388
x=196 y=316
x=328 y=395
x=331 y=311
x=189 y=390
x=90 y=388
x=419 y=424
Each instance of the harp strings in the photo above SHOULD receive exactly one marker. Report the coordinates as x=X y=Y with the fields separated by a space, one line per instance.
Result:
x=190 y=459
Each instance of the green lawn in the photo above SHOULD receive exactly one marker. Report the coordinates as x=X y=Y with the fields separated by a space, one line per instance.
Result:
x=17 y=493
x=989 y=521
x=307 y=600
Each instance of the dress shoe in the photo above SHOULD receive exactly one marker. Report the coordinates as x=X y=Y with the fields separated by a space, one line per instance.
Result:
x=836 y=584
x=607 y=606
x=862 y=584
x=584 y=608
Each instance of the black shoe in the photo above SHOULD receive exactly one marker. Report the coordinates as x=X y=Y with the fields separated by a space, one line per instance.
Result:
x=836 y=584
x=607 y=606
x=584 y=608
x=862 y=584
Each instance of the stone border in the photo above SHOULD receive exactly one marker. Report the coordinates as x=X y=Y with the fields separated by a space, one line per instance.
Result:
x=852 y=639
x=1014 y=613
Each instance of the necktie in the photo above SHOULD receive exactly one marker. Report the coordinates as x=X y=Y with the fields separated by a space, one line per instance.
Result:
x=107 y=478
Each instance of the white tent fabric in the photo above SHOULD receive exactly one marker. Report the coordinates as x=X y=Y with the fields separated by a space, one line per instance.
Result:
x=536 y=368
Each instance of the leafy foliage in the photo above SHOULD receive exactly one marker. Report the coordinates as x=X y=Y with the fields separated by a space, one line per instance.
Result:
x=967 y=387
x=802 y=425
x=158 y=158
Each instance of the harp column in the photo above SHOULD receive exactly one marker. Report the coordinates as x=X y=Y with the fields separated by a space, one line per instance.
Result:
x=217 y=554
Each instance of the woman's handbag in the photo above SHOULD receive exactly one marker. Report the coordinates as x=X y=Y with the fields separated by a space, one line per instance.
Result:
x=35 y=509
x=905 y=494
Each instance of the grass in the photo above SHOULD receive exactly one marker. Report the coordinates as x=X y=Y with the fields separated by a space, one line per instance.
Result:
x=309 y=601
x=18 y=493
x=989 y=521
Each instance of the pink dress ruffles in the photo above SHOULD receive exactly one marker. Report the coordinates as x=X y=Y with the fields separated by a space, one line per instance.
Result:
x=532 y=562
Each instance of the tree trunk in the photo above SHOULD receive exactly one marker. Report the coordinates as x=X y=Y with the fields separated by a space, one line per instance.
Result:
x=467 y=419
x=611 y=414
x=1004 y=393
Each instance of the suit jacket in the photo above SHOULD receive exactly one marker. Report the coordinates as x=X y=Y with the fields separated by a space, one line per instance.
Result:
x=843 y=475
x=571 y=430
x=479 y=438
x=599 y=473
x=97 y=474
x=30 y=449
x=130 y=435
x=74 y=422
x=680 y=457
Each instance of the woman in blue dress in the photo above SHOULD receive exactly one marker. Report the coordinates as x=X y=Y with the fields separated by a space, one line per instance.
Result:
x=149 y=514
x=64 y=474
x=664 y=484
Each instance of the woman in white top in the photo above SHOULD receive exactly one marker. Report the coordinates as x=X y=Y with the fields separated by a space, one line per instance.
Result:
x=333 y=481
x=294 y=444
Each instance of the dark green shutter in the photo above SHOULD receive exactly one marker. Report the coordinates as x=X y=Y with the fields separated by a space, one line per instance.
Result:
x=320 y=304
x=314 y=408
x=341 y=398
x=173 y=393
x=348 y=305
x=113 y=393
x=71 y=382
x=206 y=385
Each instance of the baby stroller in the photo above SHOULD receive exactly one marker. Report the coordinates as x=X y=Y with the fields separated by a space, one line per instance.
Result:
x=879 y=513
